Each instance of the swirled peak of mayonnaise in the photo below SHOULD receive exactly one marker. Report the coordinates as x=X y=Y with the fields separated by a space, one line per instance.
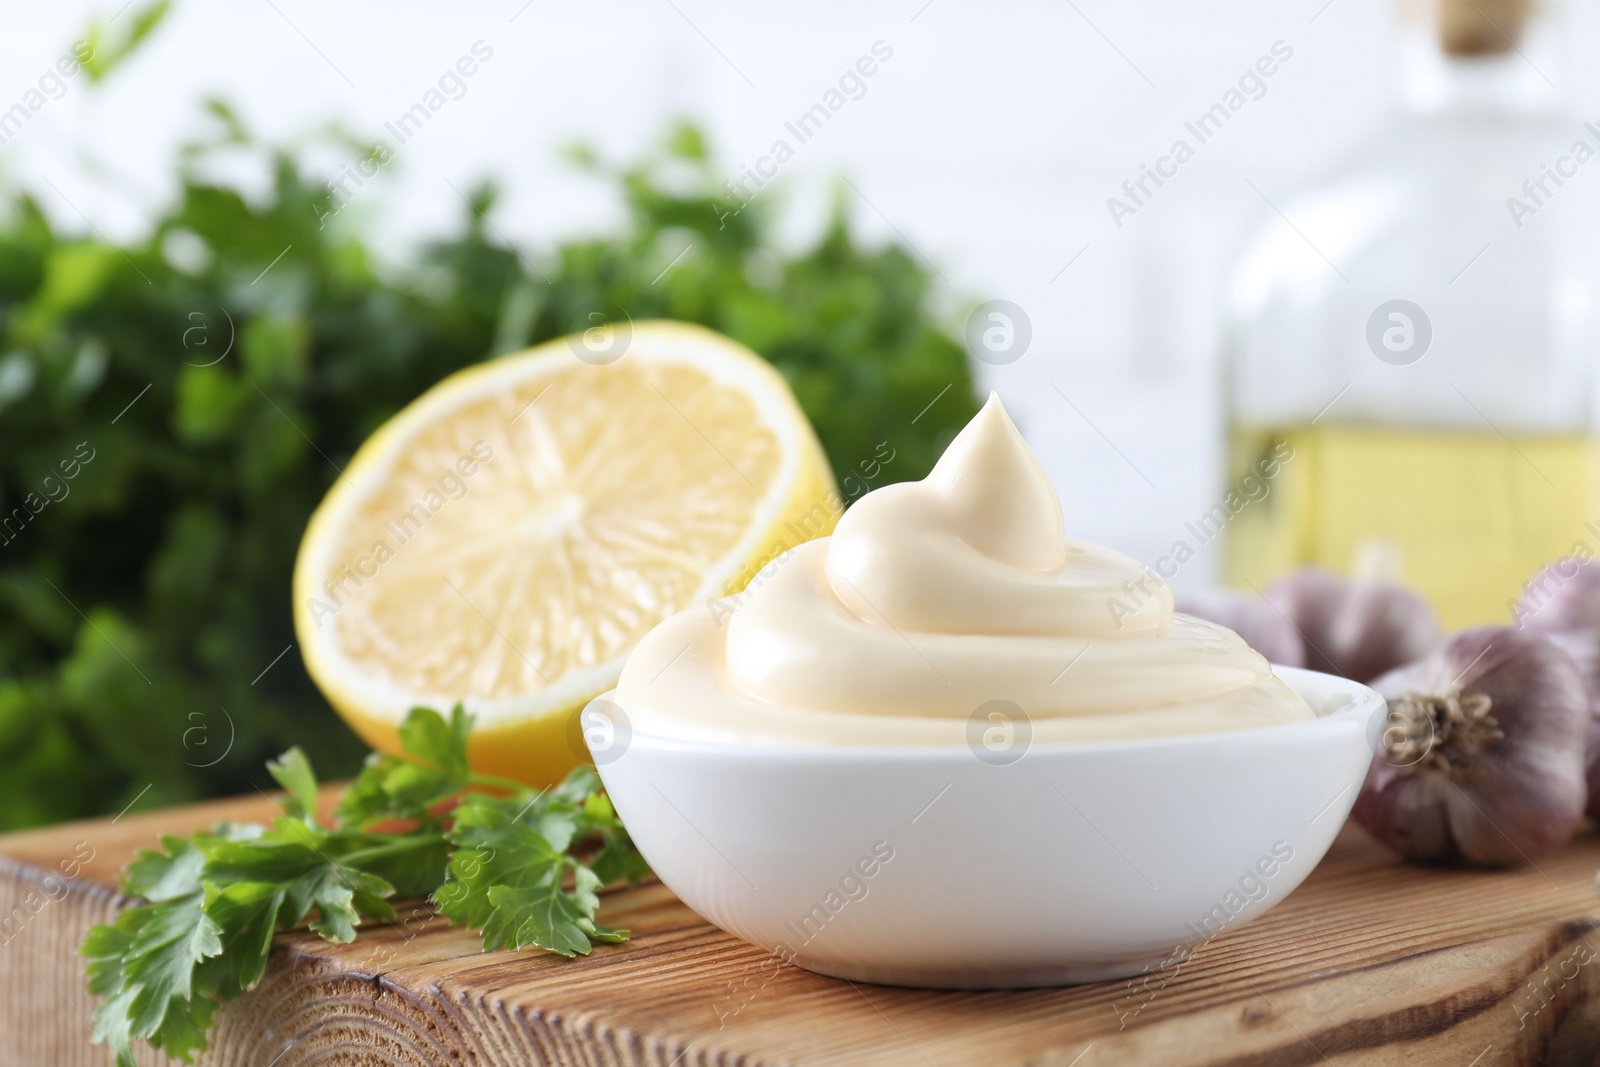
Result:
x=934 y=598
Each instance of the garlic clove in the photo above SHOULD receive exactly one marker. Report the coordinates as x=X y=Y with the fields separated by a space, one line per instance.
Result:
x=1262 y=627
x=1357 y=630
x=1482 y=759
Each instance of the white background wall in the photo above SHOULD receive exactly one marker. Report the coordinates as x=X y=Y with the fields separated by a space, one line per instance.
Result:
x=990 y=140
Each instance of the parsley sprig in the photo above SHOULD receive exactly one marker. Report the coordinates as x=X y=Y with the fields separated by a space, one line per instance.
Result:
x=500 y=859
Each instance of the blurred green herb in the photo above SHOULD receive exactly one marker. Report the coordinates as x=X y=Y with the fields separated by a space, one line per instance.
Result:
x=496 y=863
x=171 y=411
x=108 y=47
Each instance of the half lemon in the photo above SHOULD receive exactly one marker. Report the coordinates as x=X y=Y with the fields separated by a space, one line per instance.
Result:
x=509 y=536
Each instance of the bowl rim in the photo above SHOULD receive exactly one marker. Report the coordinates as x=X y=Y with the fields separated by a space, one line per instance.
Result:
x=1363 y=703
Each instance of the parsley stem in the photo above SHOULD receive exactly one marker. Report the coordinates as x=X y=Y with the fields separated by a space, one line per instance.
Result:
x=495 y=782
x=394 y=843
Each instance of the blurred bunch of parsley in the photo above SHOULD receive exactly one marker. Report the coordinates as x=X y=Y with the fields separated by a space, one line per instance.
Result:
x=223 y=369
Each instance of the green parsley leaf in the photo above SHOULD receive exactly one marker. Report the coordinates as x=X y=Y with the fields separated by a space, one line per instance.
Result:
x=426 y=736
x=144 y=964
x=507 y=875
x=292 y=770
x=159 y=876
x=495 y=848
x=248 y=913
x=406 y=789
x=168 y=942
x=541 y=914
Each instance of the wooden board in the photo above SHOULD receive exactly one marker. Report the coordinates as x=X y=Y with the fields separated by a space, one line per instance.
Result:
x=1370 y=962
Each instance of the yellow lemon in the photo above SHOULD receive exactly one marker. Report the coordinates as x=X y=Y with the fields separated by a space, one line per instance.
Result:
x=508 y=537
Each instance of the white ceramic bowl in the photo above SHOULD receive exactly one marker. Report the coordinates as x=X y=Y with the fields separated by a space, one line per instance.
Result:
x=929 y=867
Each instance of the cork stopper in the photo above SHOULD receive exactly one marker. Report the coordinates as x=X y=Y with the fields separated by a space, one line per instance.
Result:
x=1481 y=27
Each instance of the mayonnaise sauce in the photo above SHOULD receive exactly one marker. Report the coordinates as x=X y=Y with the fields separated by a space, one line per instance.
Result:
x=932 y=599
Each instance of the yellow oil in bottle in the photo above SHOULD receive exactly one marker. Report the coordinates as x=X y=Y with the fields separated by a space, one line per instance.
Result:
x=1471 y=516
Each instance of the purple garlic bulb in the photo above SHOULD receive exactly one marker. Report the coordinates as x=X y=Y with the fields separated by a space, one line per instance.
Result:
x=1358 y=629
x=1562 y=602
x=1483 y=756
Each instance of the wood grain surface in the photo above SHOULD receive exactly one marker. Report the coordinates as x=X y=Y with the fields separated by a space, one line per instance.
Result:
x=1369 y=962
